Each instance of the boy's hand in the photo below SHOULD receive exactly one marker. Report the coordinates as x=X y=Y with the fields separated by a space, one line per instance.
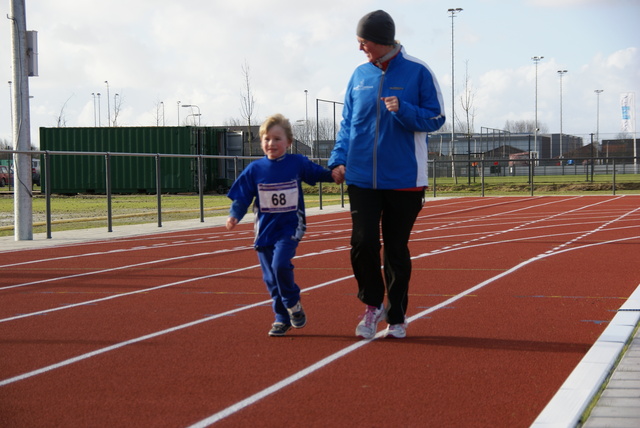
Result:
x=231 y=223
x=337 y=174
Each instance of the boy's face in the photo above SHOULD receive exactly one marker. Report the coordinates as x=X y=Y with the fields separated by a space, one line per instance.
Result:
x=275 y=142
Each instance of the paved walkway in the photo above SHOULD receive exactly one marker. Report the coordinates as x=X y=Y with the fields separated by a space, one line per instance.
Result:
x=619 y=405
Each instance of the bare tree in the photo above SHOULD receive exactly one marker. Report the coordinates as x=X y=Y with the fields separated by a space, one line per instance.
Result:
x=233 y=121
x=159 y=113
x=524 y=127
x=117 y=106
x=624 y=136
x=318 y=130
x=466 y=101
x=247 y=103
x=62 y=119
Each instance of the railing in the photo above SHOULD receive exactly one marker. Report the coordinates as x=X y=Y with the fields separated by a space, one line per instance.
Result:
x=536 y=171
x=47 y=154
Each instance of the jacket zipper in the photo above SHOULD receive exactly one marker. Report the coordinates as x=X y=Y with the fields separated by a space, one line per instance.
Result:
x=376 y=139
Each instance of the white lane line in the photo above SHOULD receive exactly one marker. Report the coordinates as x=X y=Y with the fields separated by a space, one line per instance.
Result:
x=337 y=249
x=211 y=238
x=149 y=336
x=119 y=250
x=331 y=358
x=250 y=400
x=253 y=305
x=163 y=260
x=121 y=344
x=170 y=259
x=97 y=352
x=324 y=362
x=462 y=245
x=116 y=296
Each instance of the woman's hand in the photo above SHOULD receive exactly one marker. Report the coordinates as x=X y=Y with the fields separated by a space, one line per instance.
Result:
x=392 y=103
x=337 y=174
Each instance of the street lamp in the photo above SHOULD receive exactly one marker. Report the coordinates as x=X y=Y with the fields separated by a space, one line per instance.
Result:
x=108 y=104
x=536 y=60
x=453 y=13
x=162 y=103
x=99 y=112
x=561 y=73
x=178 y=113
x=192 y=106
x=194 y=115
x=598 y=92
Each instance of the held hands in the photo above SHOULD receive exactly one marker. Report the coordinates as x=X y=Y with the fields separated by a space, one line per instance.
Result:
x=337 y=174
x=392 y=103
x=231 y=223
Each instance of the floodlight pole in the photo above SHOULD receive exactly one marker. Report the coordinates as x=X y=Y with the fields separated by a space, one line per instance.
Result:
x=23 y=209
x=598 y=92
x=536 y=60
x=108 y=104
x=561 y=73
x=453 y=13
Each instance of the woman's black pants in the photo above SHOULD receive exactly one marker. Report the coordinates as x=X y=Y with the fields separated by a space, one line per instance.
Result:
x=393 y=211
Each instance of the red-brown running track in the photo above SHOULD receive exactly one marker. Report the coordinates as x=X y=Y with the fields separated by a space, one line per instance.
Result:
x=170 y=329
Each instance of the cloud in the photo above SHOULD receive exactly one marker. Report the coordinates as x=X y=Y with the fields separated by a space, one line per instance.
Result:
x=154 y=51
x=623 y=59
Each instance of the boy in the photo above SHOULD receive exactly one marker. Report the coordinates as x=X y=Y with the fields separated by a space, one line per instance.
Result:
x=274 y=185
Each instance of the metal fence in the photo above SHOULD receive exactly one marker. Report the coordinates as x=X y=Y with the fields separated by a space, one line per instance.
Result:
x=238 y=164
x=478 y=174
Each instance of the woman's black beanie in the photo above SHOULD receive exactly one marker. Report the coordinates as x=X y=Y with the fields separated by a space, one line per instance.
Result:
x=377 y=27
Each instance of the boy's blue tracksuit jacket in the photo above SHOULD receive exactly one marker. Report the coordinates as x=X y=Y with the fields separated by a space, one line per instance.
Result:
x=275 y=188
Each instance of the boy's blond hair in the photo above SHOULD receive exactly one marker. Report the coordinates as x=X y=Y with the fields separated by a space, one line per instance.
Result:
x=277 y=119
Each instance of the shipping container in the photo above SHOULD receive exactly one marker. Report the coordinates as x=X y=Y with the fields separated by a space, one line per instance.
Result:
x=78 y=173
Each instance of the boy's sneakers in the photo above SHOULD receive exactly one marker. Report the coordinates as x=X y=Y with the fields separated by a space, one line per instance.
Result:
x=369 y=324
x=297 y=316
x=396 y=331
x=279 y=329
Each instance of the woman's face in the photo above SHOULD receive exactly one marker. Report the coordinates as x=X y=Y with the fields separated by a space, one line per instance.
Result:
x=373 y=51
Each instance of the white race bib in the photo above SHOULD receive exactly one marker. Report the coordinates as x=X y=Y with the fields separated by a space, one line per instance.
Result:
x=278 y=197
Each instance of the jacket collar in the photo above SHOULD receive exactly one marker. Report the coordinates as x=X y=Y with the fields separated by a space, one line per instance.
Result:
x=383 y=62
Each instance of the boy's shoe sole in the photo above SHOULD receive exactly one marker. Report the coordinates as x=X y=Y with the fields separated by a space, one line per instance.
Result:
x=279 y=329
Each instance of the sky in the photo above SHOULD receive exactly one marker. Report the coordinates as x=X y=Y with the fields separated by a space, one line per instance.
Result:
x=163 y=51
